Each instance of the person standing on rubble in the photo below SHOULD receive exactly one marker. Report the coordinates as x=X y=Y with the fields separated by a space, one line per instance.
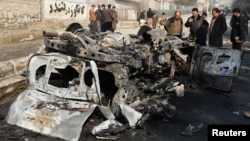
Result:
x=217 y=28
x=196 y=23
x=109 y=18
x=92 y=19
x=98 y=14
x=174 y=25
x=115 y=20
x=238 y=31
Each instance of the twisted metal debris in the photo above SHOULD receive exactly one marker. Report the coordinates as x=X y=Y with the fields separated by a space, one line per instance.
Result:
x=76 y=74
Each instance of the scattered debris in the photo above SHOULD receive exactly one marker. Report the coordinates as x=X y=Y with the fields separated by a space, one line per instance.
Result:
x=192 y=129
x=247 y=114
x=108 y=129
x=236 y=113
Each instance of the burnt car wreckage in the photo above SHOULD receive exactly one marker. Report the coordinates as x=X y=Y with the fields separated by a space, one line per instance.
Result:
x=124 y=78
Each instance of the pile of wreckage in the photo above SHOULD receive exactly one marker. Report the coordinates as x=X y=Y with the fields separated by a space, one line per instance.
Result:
x=124 y=78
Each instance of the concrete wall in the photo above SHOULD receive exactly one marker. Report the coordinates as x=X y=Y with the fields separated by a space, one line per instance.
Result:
x=18 y=13
x=24 y=14
x=64 y=9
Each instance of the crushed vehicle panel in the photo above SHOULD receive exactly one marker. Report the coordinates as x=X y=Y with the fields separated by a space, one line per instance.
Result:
x=217 y=67
x=50 y=115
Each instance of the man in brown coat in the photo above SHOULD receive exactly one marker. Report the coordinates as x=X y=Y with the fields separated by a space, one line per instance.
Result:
x=92 y=19
x=109 y=18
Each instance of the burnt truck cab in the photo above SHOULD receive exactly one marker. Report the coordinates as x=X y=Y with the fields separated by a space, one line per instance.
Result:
x=73 y=75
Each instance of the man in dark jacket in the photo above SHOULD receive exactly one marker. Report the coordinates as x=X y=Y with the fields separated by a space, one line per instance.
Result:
x=238 y=29
x=143 y=32
x=103 y=25
x=218 y=27
x=98 y=14
x=203 y=31
x=195 y=23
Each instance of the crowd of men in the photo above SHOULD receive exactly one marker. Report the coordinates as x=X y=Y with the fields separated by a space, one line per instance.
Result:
x=102 y=19
x=201 y=30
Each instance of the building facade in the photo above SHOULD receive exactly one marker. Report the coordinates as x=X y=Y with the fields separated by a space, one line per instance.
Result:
x=17 y=14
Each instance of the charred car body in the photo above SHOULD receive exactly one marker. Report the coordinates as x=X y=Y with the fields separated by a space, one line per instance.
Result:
x=73 y=75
